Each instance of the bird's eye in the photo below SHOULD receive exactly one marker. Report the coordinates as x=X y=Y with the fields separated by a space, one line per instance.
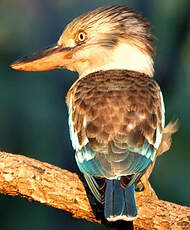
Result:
x=81 y=36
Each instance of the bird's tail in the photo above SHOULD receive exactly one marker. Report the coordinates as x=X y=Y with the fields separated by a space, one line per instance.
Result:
x=120 y=202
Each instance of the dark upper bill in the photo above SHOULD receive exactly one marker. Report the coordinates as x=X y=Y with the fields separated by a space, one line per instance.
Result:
x=47 y=59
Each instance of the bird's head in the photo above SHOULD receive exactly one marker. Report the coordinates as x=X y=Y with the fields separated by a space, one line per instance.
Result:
x=112 y=37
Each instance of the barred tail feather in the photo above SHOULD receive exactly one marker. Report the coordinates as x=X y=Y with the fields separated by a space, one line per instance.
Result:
x=120 y=202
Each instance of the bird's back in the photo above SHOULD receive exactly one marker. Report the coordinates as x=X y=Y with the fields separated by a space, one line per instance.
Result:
x=115 y=122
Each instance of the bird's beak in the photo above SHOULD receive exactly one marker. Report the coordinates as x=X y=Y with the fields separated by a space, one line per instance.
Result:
x=47 y=59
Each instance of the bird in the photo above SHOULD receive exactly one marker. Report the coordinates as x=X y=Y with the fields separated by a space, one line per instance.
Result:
x=116 y=112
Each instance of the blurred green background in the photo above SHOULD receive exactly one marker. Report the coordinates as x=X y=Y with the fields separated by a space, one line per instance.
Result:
x=33 y=115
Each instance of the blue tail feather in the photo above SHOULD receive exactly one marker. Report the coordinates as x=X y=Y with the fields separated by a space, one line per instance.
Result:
x=120 y=202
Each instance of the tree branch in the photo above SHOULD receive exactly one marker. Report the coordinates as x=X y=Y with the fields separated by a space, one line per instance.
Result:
x=59 y=188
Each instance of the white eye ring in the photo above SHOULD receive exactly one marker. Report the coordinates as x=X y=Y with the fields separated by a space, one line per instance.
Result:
x=81 y=36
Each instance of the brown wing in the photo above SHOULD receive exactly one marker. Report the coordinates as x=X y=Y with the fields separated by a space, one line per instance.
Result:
x=118 y=106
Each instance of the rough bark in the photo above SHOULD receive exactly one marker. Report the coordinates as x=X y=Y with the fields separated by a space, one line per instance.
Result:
x=59 y=188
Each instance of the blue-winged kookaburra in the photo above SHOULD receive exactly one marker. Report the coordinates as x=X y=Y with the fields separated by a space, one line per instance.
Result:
x=116 y=110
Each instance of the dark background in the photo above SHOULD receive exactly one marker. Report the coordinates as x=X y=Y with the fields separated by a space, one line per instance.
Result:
x=33 y=114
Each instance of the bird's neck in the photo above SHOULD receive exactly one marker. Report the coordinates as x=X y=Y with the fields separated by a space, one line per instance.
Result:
x=123 y=56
